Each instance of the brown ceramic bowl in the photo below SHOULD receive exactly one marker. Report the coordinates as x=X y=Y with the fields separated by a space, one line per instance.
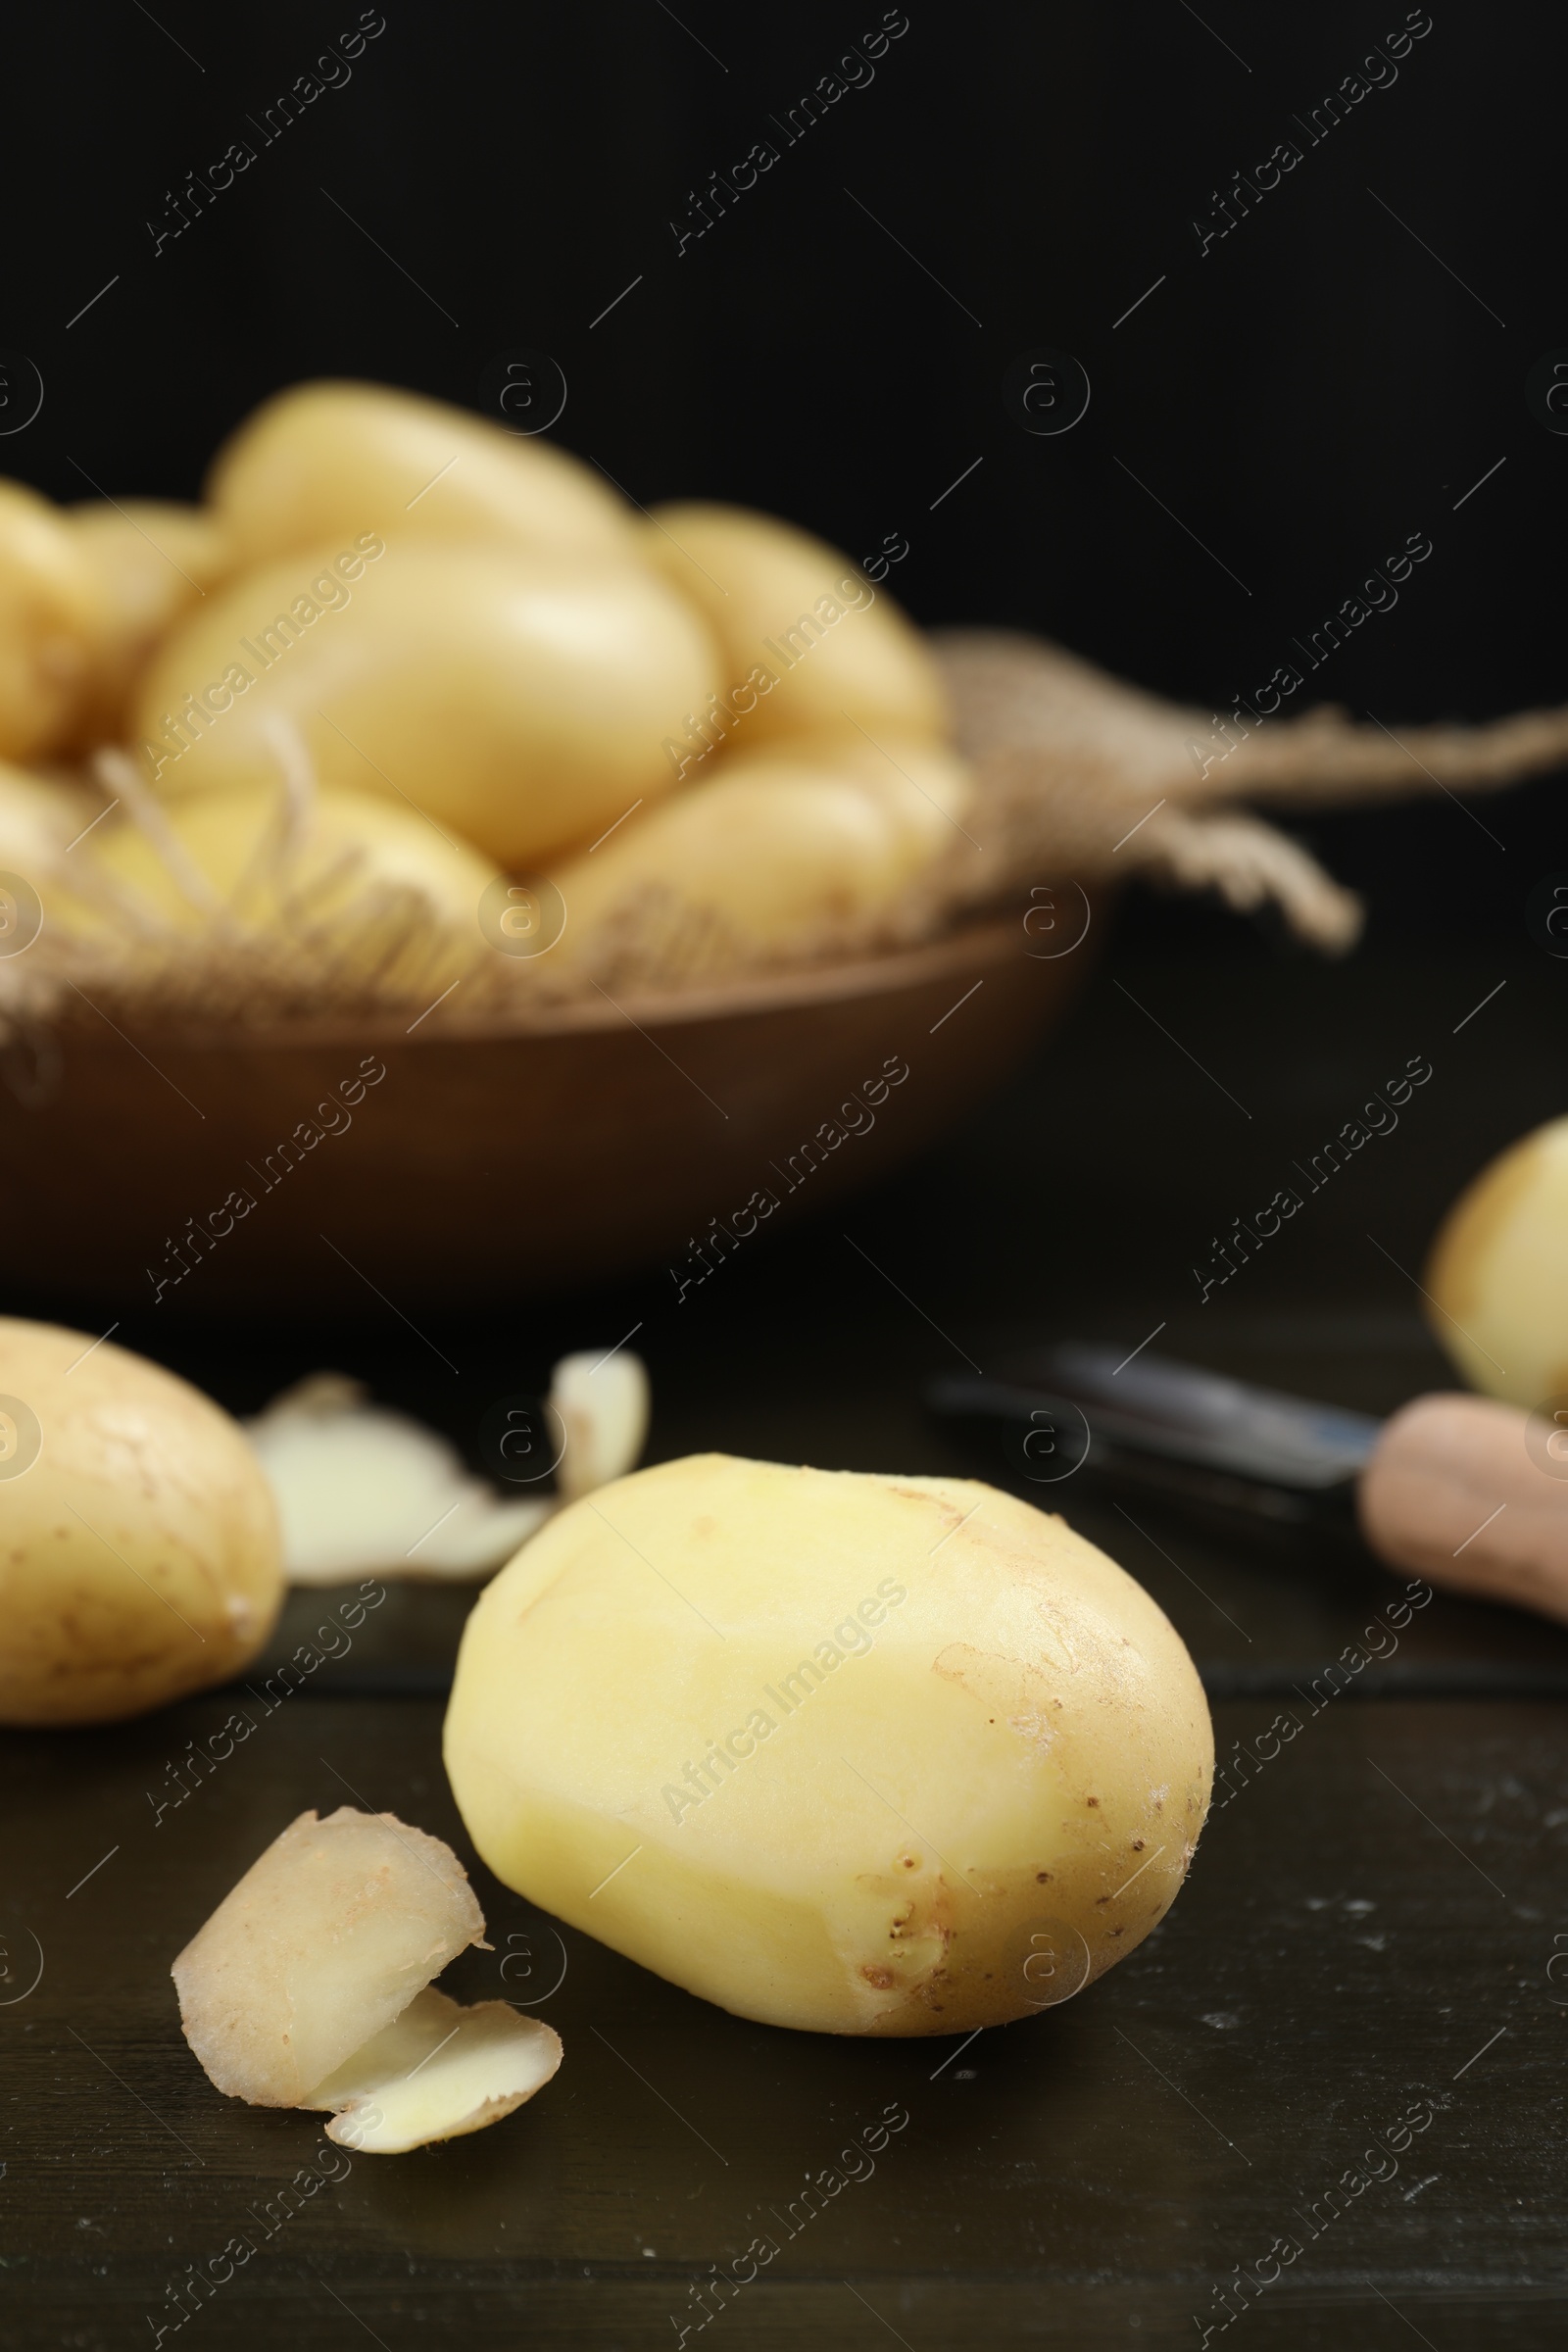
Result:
x=497 y=1160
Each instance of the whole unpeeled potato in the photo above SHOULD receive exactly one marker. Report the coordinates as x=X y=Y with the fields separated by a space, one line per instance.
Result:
x=808 y=644
x=766 y=855
x=331 y=459
x=54 y=613
x=355 y=870
x=153 y=560
x=1497 y=1278
x=139 y=1549
x=520 y=699
x=855 y=1754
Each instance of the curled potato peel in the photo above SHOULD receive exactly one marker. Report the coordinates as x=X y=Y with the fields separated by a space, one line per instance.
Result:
x=310 y=1986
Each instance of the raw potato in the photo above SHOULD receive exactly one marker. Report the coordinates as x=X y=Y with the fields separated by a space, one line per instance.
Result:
x=369 y=868
x=1499 y=1273
x=964 y=1757
x=520 y=699
x=153 y=560
x=772 y=854
x=141 y=1558
x=788 y=608
x=332 y=460
x=53 y=616
x=436 y=2073
x=323 y=1942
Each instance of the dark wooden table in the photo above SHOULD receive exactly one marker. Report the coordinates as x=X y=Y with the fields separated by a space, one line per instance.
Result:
x=1346 y=2038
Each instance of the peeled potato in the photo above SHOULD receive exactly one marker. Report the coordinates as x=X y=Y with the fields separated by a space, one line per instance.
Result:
x=330 y=460
x=54 y=613
x=153 y=560
x=864 y=1755
x=521 y=699
x=140 y=1557
x=1499 y=1273
x=808 y=644
x=770 y=857
x=359 y=863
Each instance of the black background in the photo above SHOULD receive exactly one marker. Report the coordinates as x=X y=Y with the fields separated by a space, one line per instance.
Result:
x=1311 y=390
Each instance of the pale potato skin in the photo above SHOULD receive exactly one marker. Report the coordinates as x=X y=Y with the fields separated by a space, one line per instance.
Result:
x=523 y=699
x=367 y=868
x=774 y=852
x=323 y=1942
x=752 y=579
x=140 y=1557
x=1498 y=1275
x=336 y=459
x=768 y=857
x=153 y=560
x=54 y=616
x=1020 y=1759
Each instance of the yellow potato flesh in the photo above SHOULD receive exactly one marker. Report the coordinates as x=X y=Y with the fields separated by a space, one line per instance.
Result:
x=437 y=2071
x=54 y=613
x=332 y=460
x=809 y=643
x=153 y=560
x=855 y=1754
x=522 y=700
x=141 y=1556
x=1499 y=1273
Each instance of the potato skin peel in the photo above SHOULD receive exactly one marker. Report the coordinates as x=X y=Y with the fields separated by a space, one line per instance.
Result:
x=1019 y=1756
x=140 y=1555
x=323 y=1942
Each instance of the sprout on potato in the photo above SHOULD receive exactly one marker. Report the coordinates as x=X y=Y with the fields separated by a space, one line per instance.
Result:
x=141 y=1559
x=866 y=1755
x=307 y=1987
